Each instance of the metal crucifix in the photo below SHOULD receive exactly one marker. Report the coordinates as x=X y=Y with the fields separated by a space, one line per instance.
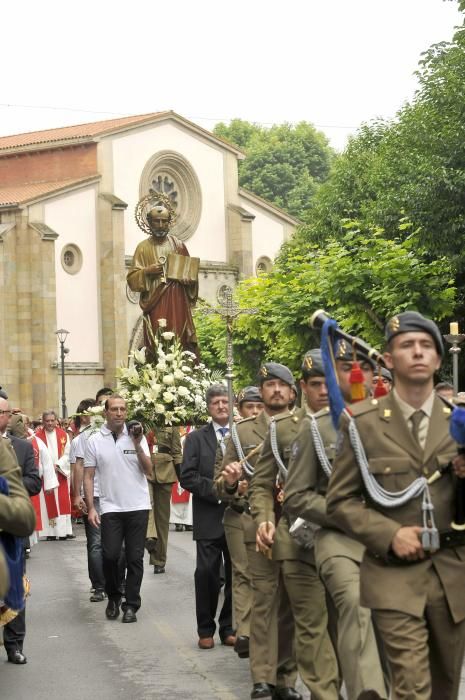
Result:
x=229 y=311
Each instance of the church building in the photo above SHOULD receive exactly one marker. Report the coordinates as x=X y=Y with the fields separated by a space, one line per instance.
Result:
x=68 y=232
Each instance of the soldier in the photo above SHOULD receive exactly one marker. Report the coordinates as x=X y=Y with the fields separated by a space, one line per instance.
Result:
x=166 y=453
x=239 y=527
x=286 y=577
x=337 y=556
x=411 y=577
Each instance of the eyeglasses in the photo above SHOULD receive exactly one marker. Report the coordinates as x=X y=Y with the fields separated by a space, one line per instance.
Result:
x=5 y=412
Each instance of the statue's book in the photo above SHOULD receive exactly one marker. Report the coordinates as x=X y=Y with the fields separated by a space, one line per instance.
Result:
x=182 y=267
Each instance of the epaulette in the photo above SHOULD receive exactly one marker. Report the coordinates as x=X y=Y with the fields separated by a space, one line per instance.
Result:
x=245 y=420
x=280 y=417
x=362 y=407
x=323 y=413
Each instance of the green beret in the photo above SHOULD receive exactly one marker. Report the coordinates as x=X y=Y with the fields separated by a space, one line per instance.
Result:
x=413 y=322
x=312 y=364
x=249 y=393
x=273 y=370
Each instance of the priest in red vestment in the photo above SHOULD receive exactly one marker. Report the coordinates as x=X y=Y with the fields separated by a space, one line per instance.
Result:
x=57 y=503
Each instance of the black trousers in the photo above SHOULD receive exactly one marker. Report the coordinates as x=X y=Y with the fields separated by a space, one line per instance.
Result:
x=129 y=527
x=210 y=555
x=14 y=632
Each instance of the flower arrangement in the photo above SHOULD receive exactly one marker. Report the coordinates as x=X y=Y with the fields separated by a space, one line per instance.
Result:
x=170 y=390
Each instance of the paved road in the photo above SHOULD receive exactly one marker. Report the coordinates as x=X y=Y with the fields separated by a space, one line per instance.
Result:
x=74 y=652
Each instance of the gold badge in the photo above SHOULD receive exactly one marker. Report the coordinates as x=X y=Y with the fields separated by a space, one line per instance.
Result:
x=394 y=324
x=263 y=371
x=308 y=362
x=387 y=412
x=241 y=396
x=342 y=349
x=446 y=410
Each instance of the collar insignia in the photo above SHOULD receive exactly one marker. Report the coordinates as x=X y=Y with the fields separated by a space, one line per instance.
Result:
x=446 y=410
x=387 y=413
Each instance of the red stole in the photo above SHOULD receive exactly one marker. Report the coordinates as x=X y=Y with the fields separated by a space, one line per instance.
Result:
x=64 y=502
x=35 y=500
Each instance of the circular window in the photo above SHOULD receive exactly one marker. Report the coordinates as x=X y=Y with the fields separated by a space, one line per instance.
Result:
x=71 y=259
x=263 y=265
x=171 y=174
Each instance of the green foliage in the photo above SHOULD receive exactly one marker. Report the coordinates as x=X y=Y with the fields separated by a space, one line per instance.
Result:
x=285 y=164
x=414 y=164
x=360 y=277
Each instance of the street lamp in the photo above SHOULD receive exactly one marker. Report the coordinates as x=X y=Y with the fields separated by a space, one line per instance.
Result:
x=62 y=335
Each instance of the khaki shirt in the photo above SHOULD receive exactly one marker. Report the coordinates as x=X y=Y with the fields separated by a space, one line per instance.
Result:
x=251 y=432
x=306 y=486
x=165 y=455
x=395 y=460
x=263 y=483
x=16 y=512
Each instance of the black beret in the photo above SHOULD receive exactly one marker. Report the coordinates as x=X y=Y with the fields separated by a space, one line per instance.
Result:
x=312 y=364
x=413 y=322
x=249 y=393
x=273 y=370
x=386 y=373
x=345 y=352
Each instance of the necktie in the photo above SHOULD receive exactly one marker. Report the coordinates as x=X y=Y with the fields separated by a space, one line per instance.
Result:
x=115 y=436
x=222 y=432
x=416 y=419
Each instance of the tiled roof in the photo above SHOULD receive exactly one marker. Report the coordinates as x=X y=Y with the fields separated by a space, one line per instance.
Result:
x=73 y=133
x=67 y=135
x=20 y=194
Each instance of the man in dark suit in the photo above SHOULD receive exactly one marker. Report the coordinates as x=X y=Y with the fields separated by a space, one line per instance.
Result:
x=14 y=632
x=197 y=477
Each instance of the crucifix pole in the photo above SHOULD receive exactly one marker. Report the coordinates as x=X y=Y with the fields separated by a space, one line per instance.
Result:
x=229 y=311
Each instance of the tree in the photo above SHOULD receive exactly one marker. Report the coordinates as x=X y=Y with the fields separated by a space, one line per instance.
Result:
x=361 y=277
x=285 y=164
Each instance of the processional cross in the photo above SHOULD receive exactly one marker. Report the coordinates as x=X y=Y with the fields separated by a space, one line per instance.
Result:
x=229 y=311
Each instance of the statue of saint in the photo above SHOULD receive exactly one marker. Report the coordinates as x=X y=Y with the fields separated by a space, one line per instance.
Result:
x=164 y=273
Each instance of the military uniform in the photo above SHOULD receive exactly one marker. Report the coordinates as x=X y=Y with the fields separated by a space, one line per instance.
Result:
x=290 y=578
x=337 y=557
x=16 y=512
x=239 y=526
x=419 y=607
x=166 y=454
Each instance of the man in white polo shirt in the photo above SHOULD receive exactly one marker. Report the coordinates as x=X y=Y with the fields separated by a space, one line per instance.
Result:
x=122 y=461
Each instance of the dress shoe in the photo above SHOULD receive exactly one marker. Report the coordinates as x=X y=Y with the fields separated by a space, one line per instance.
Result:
x=369 y=695
x=206 y=643
x=97 y=596
x=262 y=690
x=229 y=640
x=17 y=657
x=286 y=694
x=112 y=609
x=51 y=539
x=70 y=537
x=241 y=647
x=129 y=615
x=158 y=569
x=63 y=539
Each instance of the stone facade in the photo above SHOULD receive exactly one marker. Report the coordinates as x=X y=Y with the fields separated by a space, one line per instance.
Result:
x=67 y=234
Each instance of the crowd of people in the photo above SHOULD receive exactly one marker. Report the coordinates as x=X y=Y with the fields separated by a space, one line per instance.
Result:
x=323 y=512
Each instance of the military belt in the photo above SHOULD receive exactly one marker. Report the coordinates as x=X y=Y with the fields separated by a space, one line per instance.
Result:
x=448 y=539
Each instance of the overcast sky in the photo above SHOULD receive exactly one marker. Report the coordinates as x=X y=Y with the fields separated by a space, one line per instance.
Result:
x=335 y=63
